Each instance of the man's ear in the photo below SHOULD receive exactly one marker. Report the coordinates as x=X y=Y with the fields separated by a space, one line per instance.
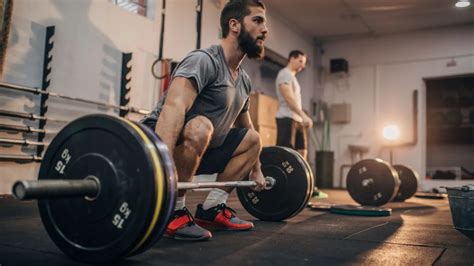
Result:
x=234 y=25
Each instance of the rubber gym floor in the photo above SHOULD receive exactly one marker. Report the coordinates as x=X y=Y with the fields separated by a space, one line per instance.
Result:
x=419 y=232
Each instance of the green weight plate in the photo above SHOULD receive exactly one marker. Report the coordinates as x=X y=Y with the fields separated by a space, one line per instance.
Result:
x=112 y=225
x=360 y=210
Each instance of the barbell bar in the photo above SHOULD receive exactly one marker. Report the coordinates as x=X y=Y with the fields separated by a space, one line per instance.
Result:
x=29 y=116
x=269 y=183
x=24 y=129
x=39 y=91
x=89 y=187
x=131 y=188
x=23 y=142
x=50 y=189
x=20 y=158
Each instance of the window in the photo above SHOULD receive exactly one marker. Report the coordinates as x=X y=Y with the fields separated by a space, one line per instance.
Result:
x=145 y=8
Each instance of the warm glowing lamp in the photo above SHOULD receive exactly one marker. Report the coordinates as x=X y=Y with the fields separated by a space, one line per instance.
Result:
x=391 y=133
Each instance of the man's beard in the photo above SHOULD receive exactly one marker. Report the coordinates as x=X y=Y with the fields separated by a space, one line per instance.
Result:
x=249 y=45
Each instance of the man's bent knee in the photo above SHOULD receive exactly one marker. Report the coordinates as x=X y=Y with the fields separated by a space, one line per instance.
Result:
x=253 y=138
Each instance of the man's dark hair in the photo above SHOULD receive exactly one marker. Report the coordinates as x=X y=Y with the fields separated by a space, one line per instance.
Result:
x=295 y=54
x=236 y=9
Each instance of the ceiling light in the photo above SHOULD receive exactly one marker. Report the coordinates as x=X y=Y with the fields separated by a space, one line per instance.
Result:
x=463 y=3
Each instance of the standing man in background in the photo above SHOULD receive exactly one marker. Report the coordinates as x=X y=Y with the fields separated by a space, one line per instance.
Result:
x=292 y=121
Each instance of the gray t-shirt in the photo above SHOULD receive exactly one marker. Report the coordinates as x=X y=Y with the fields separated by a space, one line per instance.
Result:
x=220 y=98
x=286 y=77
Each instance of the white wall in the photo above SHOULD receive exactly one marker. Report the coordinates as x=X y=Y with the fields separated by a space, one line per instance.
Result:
x=90 y=37
x=384 y=71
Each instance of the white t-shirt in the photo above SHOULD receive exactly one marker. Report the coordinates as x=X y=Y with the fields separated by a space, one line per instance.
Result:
x=286 y=77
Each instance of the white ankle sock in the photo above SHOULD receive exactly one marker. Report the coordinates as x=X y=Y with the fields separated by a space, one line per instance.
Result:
x=215 y=197
x=180 y=203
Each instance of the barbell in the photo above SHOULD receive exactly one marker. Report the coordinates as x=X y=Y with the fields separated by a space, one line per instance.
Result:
x=39 y=91
x=89 y=187
x=374 y=182
x=29 y=116
x=23 y=142
x=20 y=158
x=24 y=129
x=107 y=188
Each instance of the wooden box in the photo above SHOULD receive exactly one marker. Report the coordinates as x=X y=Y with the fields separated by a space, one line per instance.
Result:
x=263 y=109
x=267 y=135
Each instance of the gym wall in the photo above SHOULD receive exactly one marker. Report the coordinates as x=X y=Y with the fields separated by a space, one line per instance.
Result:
x=384 y=71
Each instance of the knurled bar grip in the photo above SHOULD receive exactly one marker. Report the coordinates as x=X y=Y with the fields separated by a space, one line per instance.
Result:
x=90 y=187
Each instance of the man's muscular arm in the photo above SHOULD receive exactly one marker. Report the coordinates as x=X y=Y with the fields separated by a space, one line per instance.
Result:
x=181 y=95
x=244 y=121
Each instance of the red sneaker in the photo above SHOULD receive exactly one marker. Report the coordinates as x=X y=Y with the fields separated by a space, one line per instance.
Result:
x=183 y=227
x=221 y=217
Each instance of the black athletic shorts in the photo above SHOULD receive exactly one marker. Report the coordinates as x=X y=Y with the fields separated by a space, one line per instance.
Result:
x=216 y=159
x=290 y=134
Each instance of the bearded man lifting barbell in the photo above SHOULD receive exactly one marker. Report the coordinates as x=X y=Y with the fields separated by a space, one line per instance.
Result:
x=204 y=120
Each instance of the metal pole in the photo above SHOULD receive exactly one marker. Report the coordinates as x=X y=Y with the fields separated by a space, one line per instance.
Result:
x=61 y=96
x=20 y=158
x=270 y=182
x=29 y=116
x=22 y=142
x=192 y=185
x=198 y=23
x=162 y=30
x=25 y=129
x=48 y=189
x=90 y=187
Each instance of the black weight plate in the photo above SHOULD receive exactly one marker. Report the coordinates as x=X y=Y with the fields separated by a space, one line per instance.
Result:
x=360 y=210
x=372 y=182
x=160 y=192
x=290 y=192
x=408 y=182
x=131 y=194
x=167 y=209
x=309 y=174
